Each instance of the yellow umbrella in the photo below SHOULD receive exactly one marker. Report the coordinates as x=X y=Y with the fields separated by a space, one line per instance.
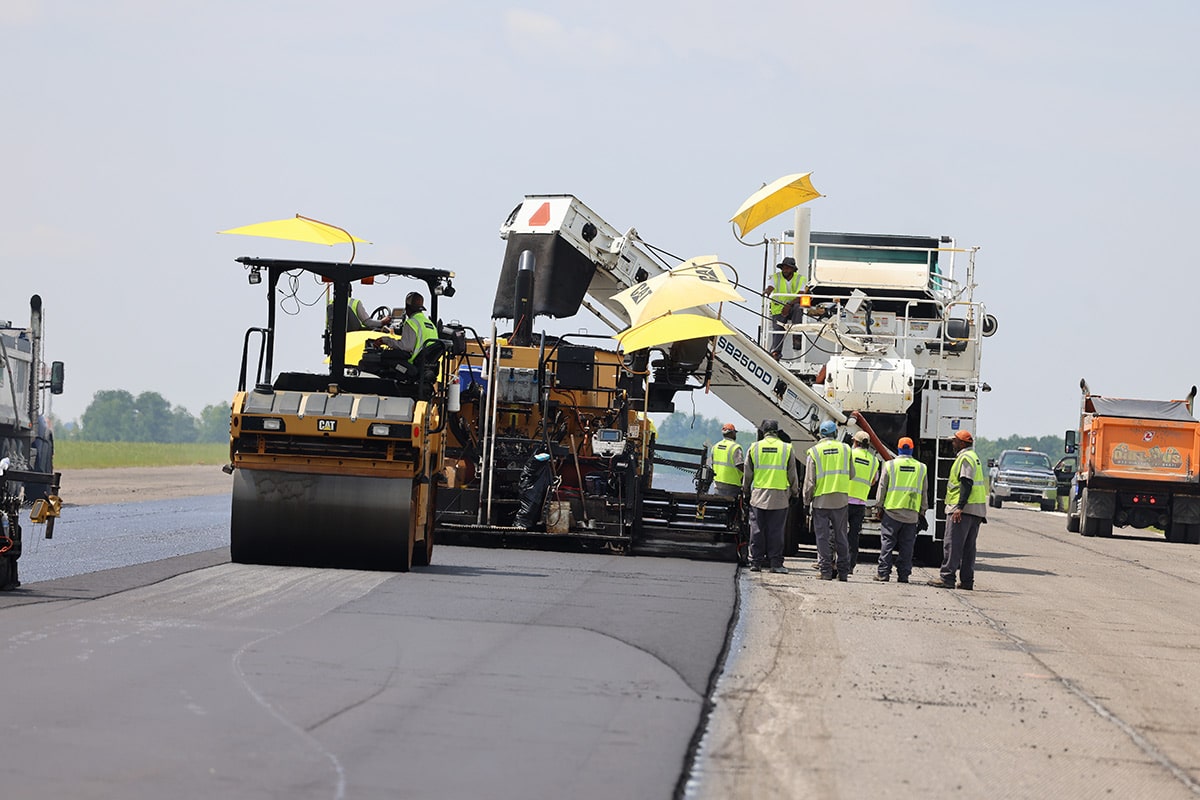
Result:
x=670 y=328
x=774 y=199
x=696 y=282
x=300 y=229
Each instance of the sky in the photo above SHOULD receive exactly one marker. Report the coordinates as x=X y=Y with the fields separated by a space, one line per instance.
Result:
x=1057 y=136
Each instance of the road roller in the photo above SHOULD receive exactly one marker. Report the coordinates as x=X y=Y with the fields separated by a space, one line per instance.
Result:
x=340 y=468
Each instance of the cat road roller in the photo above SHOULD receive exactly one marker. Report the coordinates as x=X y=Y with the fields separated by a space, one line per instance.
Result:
x=340 y=468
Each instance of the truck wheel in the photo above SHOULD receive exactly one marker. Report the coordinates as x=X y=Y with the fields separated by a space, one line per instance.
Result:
x=1193 y=534
x=1072 y=523
x=927 y=552
x=997 y=503
x=1049 y=505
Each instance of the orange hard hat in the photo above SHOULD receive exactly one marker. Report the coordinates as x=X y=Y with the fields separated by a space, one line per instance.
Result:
x=904 y=442
x=964 y=436
x=727 y=427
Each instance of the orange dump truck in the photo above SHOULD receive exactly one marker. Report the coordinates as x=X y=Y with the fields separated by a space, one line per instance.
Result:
x=1138 y=462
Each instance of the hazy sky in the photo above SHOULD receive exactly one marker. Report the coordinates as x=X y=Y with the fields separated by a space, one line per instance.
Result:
x=1060 y=137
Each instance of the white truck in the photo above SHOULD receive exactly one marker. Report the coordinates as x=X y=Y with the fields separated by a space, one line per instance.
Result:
x=26 y=441
x=892 y=343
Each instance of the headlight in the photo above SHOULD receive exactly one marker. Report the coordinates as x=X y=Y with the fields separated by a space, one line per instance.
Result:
x=380 y=430
x=272 y=424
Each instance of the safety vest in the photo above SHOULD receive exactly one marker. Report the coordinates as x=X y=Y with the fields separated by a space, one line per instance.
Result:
x=789 y=289
x=724 y=461
x=979 y=489
x=353 y=323
x=425 y=331
x=770 y=457
x=866 y=468
x=905 y=477
x=831 y=461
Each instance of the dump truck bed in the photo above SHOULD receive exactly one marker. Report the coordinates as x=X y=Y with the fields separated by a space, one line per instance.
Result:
x=1141 y=448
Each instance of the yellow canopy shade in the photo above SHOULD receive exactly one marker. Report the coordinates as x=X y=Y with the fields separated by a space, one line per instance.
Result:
x=774 y=199
x=300 y=229
x=696 y=282
x=670 y=328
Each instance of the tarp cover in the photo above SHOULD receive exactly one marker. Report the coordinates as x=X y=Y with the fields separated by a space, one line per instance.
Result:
x=1141 y=409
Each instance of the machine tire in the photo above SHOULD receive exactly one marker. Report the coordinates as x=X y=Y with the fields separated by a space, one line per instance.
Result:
x=1049 y=505
x=997 y=503
x=1087 y=526
x=928 y=552
x=1183 y=533
x=1072 y=523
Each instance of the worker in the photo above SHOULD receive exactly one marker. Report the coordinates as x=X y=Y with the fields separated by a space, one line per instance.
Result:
x=357 y=316
x=966 y=505
x=866 y=474
x=417 y=330
x=727 y=460
x=828 y=472
x=769 y=482
x=904 y=495
x=784 y=292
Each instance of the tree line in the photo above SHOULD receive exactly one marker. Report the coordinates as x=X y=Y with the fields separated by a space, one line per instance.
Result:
x=687 y=430
x=115 y=415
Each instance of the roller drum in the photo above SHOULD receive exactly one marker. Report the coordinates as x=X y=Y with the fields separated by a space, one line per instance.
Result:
x=298 y=519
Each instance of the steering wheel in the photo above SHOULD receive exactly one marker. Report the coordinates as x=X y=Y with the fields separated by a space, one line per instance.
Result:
x=381 y=312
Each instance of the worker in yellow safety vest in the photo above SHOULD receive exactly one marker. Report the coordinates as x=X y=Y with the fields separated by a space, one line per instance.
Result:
x=828 y=471
x=418 y=329
x=769 y=482
x=904 y=495
x=727 y=463
x=357 y=316
x=784 y=291
x=866 y=474
x=966 y=509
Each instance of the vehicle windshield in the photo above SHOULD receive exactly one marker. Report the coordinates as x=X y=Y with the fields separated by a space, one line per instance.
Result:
x=1025 y=461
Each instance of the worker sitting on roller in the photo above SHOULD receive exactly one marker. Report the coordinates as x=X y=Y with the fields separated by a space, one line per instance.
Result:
x=417 y=330
x=357 y=316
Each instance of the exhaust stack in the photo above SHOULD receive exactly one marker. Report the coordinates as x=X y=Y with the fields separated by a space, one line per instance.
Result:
x=522 y=335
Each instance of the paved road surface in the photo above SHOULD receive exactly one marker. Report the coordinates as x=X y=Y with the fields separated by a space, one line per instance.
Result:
x=493 y=674
x=1072 y=670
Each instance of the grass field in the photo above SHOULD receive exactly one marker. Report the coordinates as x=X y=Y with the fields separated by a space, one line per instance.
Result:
x=71 y=454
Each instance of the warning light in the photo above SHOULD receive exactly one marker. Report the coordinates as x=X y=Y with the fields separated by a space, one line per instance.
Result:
x=805 y=301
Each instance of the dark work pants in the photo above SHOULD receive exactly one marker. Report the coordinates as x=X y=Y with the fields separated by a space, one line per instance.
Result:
x=766 y=534
x=778 y=321
x=854 y=518
x=829 y=529
x=896 y=542
x=958 y=553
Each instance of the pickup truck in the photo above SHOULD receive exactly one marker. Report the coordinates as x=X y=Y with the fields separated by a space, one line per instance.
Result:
x=1023 y=475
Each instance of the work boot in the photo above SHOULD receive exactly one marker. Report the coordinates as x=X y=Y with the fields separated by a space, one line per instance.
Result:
x=779 y=570
x=881 y=578
x=756 y=567
x=938 y=582
x=965 y=586
x=902 y=579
